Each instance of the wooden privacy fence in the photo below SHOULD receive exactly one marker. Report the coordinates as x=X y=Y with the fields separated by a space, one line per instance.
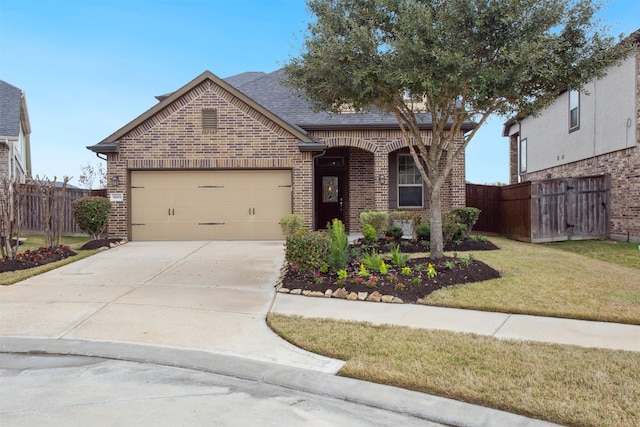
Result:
x=544 y=211
x=32 y=214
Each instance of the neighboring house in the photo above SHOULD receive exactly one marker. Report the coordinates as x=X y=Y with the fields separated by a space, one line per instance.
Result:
x=15 y=150
x=227 y=159
x=589 y=133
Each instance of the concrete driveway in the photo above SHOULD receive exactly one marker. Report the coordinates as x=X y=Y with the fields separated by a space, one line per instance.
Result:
x=207 y=296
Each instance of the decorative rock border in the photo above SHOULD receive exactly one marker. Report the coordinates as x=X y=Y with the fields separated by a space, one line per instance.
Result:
x=342 y=293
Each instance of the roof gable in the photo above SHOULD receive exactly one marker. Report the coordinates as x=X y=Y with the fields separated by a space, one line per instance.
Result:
x=10 y=104
x=109 y=144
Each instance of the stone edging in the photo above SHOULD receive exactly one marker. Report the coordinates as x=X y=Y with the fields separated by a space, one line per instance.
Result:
x=340 y=293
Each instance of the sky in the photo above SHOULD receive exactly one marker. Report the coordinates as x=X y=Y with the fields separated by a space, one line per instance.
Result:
x=89 y=67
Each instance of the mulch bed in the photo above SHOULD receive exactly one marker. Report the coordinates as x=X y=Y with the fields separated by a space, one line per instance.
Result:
x=36 y=257
x=407 y=287
x=100 y=243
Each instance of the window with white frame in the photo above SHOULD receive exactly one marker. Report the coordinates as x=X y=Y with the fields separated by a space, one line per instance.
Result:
x=523 y=155
x=574 y=110
x=409 y=183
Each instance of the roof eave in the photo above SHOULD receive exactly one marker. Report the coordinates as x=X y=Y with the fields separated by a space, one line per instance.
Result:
x=304 y=146
x=104 y=147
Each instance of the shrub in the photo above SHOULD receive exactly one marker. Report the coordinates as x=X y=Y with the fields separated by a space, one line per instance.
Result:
x=397 y=258
x=423 y=231
x=91 y=214
x=467 y=216
x=369 y=234
x=394 y=232
x=452 y=229
x=373 y=261
x=307 y=250
x=291 y=223
x=378 y=219
x=338 y=255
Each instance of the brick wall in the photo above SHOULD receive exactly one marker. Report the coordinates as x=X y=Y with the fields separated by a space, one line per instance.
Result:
x=174 y=139
x=245 y=139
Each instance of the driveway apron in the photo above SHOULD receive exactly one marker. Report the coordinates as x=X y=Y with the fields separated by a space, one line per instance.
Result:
x=208 y=296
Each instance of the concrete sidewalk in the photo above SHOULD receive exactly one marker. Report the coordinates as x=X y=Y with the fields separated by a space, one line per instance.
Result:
x=614 y=336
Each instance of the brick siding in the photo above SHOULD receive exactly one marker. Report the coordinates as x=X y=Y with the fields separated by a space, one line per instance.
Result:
x=245 y=139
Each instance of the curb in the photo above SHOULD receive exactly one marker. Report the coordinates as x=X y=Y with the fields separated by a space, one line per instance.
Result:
x=420 y=405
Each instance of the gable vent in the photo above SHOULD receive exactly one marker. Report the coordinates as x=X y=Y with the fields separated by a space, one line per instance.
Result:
x=209 y=119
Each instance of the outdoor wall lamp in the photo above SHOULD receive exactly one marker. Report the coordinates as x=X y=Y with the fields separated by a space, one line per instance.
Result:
x=382 y=179
x=115 y=180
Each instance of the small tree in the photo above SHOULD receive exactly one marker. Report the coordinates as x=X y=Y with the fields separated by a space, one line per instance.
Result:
x=52 y=202
x=448 y=63
x=91 y=214
x=89 y=173
x=11 y=200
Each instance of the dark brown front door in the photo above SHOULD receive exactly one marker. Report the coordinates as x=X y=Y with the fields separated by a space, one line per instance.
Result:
x=330 y=193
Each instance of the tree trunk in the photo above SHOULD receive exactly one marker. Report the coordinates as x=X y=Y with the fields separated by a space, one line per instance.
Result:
x=436 y=244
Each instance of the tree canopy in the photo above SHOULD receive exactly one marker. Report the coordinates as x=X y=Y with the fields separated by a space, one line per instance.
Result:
x=458 y=61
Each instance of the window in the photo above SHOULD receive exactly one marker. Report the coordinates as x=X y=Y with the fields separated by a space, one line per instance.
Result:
x=409 y=183
x=574 y=110
x=523 y=155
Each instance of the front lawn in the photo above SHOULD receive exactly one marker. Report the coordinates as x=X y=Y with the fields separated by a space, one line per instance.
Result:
x=563 y=384
x=543 y=280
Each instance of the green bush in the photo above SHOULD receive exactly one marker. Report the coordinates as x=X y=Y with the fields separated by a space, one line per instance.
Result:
x=291 y=223
x=369 y=233
x=378 y=219
x=91 y=214
x=338 y=246
x=423 y=231
x=467 y=216
x=394 y=232
x=307 y=251
x=373 y=261
x=452 y=229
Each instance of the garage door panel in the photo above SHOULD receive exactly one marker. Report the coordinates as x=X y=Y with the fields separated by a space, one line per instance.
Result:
x=209 y=205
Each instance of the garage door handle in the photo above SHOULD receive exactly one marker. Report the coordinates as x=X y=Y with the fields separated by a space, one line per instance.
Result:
x=252 y=211
x=171 y=212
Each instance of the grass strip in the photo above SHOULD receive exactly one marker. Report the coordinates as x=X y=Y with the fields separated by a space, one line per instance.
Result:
x=562 y=384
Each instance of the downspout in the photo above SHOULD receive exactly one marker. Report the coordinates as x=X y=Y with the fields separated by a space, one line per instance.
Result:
x=313 y=187
x=626 y=199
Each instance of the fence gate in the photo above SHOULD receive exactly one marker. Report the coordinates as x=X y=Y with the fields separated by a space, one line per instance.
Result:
x=570 y=209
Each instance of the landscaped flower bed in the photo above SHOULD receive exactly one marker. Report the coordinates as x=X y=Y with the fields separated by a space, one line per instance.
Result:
x=384 y=270
x=36 y=257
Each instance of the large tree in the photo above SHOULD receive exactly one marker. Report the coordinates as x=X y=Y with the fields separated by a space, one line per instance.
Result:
x=460 y=60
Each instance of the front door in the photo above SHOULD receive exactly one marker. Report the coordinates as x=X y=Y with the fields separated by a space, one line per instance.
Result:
x=330 y=193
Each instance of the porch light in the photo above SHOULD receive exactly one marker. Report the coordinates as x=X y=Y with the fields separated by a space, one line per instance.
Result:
x=115 y=180
x=382 y=179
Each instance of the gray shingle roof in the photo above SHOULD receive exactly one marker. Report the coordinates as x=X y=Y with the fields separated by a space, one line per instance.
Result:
x=269 y=92
x=10 y=102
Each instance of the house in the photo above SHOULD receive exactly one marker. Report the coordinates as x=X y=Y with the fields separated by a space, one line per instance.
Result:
x=586 y=133
x=228 y=158
x=15 y=130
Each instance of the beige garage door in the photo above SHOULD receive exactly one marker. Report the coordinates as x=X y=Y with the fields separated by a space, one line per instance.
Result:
x=209 y=205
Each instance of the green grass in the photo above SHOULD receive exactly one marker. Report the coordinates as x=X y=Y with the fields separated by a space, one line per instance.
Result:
x=570 y=385
x=544 y=280
x=562 y=384
x=34 y=241
x=622 y=253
